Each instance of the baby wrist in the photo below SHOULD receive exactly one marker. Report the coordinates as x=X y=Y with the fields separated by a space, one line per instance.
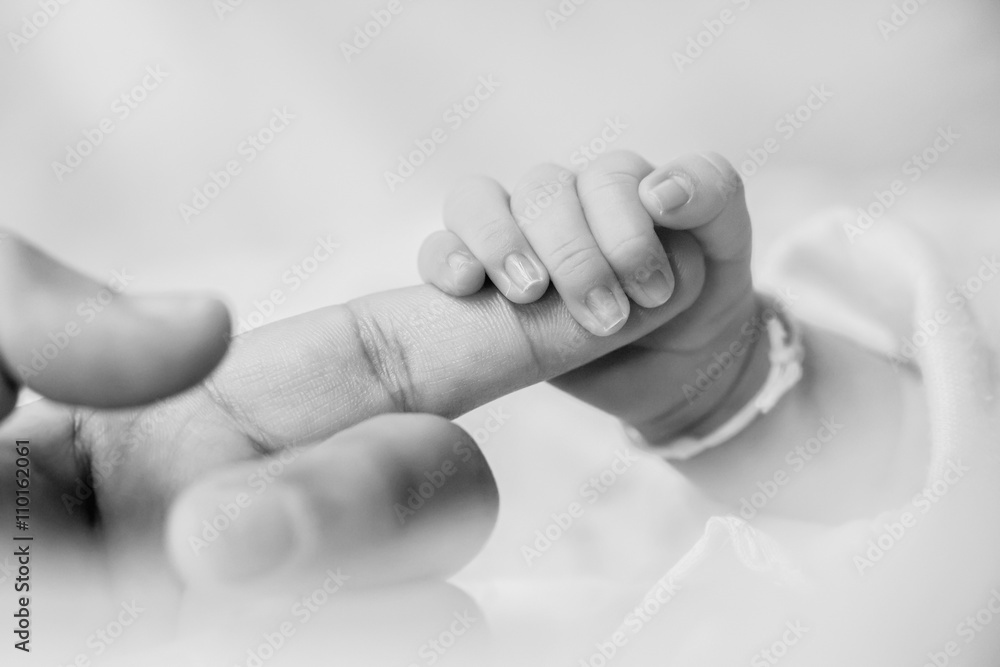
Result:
x=772 y=365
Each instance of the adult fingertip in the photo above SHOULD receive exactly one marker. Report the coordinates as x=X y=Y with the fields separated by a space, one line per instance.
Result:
x=178 y=340
x=123 y=351
x=397 y=498
x=223 y=533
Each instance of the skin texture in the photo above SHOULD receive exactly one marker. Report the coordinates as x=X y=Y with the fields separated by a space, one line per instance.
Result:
x=304 y=382
x=608 y=227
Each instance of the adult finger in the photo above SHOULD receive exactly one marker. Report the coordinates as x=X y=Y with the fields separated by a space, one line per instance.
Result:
x=398 y=497
x=76 y=341
x=416 y=350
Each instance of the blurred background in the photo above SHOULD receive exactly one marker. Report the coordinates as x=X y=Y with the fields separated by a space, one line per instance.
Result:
x=188 y=88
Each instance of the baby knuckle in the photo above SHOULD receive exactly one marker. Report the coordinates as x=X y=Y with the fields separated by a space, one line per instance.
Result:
x=494 y=234
x=575 y=259
x=618 y=182
x=543 y=183
x=620 y=160
x=632 y=251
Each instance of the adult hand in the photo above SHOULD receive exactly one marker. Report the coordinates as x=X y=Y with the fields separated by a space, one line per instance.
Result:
x=298 y=383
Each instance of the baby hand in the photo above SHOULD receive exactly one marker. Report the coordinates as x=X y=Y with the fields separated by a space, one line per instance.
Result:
x=602 y=238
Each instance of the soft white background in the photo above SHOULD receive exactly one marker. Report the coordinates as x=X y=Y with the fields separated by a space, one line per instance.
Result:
x=324 y=175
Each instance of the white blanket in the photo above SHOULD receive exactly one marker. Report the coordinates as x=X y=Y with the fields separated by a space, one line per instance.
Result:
x=917 y=583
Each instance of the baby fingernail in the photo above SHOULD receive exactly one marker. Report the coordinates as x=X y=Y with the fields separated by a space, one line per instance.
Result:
x=658 y=286
x=605 y=307
x=459 y=260
x=671 y=194
x=522 y=272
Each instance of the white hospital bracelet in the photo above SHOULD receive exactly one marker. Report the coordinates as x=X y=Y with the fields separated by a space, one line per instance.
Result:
x=786 y=356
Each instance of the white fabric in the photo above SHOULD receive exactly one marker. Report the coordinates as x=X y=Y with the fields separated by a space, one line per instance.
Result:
x=744 y=586
x=666 y=570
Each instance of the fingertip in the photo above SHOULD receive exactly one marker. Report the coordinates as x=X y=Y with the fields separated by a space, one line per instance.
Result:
x=703 y=193
x=684 y=191
x=398 y=497
x=606 y=310
x=665 y=191
x=170 y=342
x=652 y=286
x=218 y=532
x=523 y=278
x=447 y=263
x=463 y=274
x=80 y=342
